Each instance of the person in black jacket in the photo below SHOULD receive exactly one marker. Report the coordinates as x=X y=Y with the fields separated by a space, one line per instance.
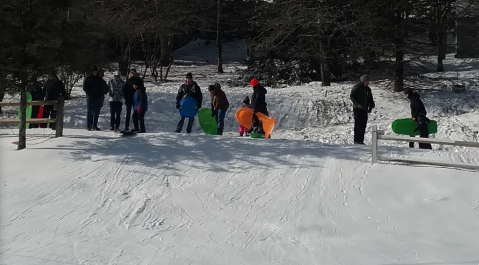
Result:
x=363 y=103
x=258 y=104
x=418 y=114
x=35 y=88
x=129 y=93
x=189 y=89
x=94 y=88
x=52 y=89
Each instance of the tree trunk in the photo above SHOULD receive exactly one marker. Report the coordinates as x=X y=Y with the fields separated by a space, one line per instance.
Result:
x=399 y=46
x=325 y=71
x=165 y=55
x=441 y=47
x=219 y=36
x=2 y=95
x=22 y=134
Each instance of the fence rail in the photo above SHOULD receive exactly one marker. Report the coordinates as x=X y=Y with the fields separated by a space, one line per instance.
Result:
x=379 y=135
x=58 y=105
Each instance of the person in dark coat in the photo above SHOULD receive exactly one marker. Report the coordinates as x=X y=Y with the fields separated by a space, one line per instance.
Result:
x=189 y=89
x=219 y=106
x=418 y=114
x=35 y=89
x=129 y=94
x=52 y=89
x=363 y=104
x=140 y=105
x=94 y=88
x=258 y=104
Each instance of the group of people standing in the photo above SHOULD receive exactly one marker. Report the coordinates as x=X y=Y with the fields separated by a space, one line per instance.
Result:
x=132 y=92
x=220 y=104
x=363 y=103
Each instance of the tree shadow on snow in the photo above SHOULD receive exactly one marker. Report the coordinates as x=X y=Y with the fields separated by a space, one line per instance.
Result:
x=180 y=153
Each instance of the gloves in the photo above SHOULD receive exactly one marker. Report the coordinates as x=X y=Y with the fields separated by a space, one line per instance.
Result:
x=178 y=106
x=213 y=113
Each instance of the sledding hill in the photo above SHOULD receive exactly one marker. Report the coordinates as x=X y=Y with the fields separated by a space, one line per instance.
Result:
x=165 y=198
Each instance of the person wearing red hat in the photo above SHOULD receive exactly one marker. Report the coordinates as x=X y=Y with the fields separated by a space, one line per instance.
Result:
x=258 y=104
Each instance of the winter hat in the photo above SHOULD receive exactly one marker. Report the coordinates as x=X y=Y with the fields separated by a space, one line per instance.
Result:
x=364 y=78
x=189 y=75
x=254 y=82
x=246 y=100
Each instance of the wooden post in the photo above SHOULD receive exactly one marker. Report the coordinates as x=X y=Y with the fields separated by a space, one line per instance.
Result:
x=374 y=143
x=60 y=114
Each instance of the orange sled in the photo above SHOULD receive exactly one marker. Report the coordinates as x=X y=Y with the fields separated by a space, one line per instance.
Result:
x=245 y=117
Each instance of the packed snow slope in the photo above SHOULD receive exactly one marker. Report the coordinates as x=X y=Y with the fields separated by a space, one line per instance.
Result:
x=165 y=198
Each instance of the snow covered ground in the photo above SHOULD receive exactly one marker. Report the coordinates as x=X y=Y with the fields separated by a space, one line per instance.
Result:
x=185 y=199
x=304 y=197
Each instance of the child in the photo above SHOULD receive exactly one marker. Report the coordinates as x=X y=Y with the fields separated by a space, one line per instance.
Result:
x=116 y=86
x=219 y=105
x=242 y=129
x=140 y=107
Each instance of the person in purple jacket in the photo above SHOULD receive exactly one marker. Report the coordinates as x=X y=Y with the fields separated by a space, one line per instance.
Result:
x=140 y=107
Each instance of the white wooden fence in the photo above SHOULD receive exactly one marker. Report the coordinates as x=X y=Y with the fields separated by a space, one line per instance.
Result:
x=379 y=135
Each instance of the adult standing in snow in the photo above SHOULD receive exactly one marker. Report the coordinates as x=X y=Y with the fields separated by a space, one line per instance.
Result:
x=418 y=114
x=52 y=89
x=116 y=87
x=35 y=89
x=258 y=104
x=363 y=104
x=189 y=89
x=94 y=89
x=219 y=106
x=129 y=93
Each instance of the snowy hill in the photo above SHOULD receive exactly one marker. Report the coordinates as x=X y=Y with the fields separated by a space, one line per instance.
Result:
x=185 y=199
x=306 y=196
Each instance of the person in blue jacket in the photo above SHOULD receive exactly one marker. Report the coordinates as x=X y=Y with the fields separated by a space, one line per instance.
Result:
x=140 y=107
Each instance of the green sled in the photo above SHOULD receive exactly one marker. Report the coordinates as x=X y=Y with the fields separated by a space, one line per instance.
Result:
x=256 y=135
x=207 y=123
x=407 y=127
x=29 y=110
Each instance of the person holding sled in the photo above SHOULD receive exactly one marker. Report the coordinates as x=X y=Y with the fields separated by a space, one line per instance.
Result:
x=258 y=104
x=35 y=88
x=140 y=107
x=363 y=104
x=189 y=89
x=219 y=106
x=116 y=87
x=418 y=114
x=242 y=129
x=52 y=89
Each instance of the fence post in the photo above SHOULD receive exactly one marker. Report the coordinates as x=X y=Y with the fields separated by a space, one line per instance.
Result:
x=374 y=144
x=60 y=114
